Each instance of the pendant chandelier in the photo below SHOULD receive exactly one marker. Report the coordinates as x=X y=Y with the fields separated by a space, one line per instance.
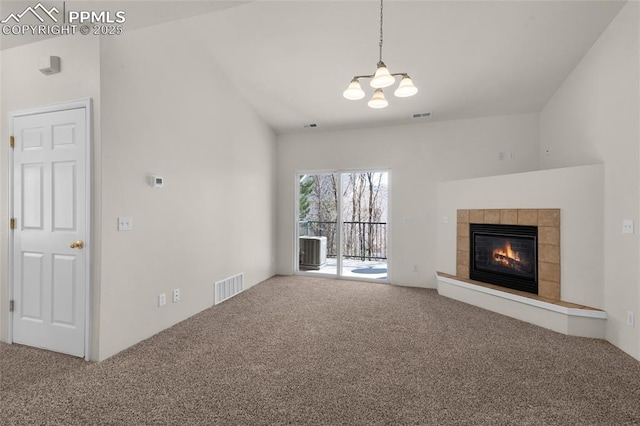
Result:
x=381 y=79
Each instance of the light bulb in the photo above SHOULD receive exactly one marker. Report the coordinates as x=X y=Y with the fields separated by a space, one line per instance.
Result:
x=354 y=91
x=406 y=88
x=377 y=100
x=382 y=77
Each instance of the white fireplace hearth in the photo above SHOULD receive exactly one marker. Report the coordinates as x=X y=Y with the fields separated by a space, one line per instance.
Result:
x=563 y=317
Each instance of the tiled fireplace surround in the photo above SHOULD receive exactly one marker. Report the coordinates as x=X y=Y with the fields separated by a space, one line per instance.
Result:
x=548 y=223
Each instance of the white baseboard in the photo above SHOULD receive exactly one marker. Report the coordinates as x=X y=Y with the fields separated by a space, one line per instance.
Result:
x=565 y=320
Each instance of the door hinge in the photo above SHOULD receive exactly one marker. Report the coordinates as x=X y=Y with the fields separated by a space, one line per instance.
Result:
x=12 y=142
x=12 y=223
x=11 y=305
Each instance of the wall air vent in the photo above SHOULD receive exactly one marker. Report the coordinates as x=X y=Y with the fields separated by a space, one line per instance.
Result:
x=227 y=288
x=421 y=115
x=309 y=125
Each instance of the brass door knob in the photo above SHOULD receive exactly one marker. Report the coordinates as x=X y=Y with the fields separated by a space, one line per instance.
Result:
x=77 y=244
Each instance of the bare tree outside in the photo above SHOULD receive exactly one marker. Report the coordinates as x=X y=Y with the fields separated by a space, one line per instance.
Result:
x=321 y=197
x=364 y=227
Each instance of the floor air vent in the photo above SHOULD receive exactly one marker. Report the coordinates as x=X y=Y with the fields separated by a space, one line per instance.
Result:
x=229 y=287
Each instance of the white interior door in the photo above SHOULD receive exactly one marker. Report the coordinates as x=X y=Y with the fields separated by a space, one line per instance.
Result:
x=50 y=195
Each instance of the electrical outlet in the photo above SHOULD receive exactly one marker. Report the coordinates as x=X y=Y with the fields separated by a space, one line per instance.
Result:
x=162 y=299
x=631 y=319
x=176 y=295
x=627 y=226
x=125 y=224
x=415 y=268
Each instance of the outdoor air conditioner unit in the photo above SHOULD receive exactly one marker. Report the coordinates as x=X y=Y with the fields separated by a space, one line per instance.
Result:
x=313 y=252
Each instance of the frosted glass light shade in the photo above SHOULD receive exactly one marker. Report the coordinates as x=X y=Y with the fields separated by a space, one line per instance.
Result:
x=377 y=100
x=354 y=91
x=406 y=88
x=382 y=78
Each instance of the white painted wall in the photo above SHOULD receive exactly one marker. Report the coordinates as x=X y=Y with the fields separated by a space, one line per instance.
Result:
x=579 y=194
x=595 y=117
x=23 y=86
x=419 y=156
x=168 y=110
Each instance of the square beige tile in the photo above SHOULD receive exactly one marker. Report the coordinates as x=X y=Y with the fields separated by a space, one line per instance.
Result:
x=476 y=216
x=463 y=230
x=509 y=216
x=549 y=235
x=462 y=271
x=462 y=258
x=463 y=244
x=549 y=253
x=528 y=217
x=548 y=272
x=492 y=216
x=463 y=216
x=549 y=217
x=549 y=289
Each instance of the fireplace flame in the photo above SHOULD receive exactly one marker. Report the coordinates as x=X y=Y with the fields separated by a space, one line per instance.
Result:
x=506 y=255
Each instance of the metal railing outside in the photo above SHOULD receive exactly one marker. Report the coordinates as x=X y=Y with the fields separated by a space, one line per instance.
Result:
x=362 y=240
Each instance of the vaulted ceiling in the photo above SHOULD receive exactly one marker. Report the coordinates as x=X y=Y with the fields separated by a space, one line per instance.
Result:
x=292 y=59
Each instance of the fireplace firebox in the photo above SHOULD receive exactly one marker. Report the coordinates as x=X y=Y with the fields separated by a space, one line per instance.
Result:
x=505 y=255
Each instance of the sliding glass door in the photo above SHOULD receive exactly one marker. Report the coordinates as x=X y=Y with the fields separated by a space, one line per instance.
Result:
x=342 y=224
x=318 y=223
x=364 y=225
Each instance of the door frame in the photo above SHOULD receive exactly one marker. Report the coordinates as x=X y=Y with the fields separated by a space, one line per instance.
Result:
x=296 y=215
x=296 y=227
x=87 y=104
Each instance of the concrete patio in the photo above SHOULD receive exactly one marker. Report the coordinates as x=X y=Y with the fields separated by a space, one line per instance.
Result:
x=353 y=268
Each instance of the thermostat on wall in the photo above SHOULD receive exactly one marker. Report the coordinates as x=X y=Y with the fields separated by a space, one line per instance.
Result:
x=156 y=181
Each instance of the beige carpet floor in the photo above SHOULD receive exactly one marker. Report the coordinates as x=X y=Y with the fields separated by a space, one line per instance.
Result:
x=295 y=350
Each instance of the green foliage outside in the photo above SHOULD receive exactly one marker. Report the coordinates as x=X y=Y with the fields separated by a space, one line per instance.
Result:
x=306 y=188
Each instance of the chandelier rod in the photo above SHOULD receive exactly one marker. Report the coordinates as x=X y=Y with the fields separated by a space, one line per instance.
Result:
x=357 y=77
x=381 y=15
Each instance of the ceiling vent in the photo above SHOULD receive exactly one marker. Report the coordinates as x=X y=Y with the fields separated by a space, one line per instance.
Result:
x=421 y=115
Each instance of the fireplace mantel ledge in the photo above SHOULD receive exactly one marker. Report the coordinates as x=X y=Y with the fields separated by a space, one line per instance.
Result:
x=582 y=322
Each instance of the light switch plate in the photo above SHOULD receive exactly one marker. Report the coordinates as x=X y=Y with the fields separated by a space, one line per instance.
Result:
x=125 y=224
x=627 y=226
